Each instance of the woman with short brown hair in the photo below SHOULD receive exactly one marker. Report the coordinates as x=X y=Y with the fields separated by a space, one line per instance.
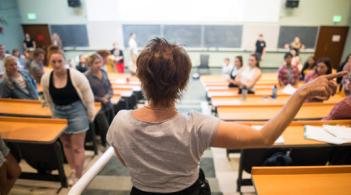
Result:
x=162 y=148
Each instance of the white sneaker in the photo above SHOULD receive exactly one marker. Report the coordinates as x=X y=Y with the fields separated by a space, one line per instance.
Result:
x=71 y=179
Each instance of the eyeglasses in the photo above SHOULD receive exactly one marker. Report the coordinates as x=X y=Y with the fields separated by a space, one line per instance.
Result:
x=56 y=61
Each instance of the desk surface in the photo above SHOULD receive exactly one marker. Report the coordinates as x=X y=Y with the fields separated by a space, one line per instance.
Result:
x=31 y=130
x=266 y=112
x=294 y=134
x=302 y=180
x=262 y=100
x=34 y=108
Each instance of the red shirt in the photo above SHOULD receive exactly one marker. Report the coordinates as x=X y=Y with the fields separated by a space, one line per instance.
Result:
x=341 y=110
x=288 y=75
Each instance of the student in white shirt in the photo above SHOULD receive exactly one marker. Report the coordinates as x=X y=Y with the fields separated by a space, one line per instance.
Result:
x=227 y=67
x=238 y=64
x=3 y=55
x=249 y=75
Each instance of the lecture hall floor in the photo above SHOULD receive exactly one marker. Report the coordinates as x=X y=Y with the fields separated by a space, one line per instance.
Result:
x=113 y=179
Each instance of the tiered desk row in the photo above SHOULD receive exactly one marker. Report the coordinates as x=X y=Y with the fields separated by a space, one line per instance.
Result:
x=260 y=107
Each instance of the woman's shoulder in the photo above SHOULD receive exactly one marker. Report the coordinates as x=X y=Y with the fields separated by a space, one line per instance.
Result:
x=45 y=78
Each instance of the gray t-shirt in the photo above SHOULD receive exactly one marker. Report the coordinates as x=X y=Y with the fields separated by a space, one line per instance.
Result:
x=162 y=156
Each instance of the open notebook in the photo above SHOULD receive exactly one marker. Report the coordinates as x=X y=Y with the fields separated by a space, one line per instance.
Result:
x=329 y=133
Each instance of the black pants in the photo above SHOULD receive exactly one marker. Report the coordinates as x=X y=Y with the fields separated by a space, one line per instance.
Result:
x=248 y=91
x=200 y=187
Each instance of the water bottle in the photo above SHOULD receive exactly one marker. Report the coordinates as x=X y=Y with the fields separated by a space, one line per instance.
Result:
x=274 y=92
x=244 y=92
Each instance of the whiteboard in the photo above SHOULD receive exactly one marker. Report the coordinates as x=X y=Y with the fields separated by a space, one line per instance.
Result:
x=251 y=31
x=103 y=34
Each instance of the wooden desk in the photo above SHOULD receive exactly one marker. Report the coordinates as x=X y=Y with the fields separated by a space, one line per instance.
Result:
x=27 y=108
x=302 y=180
x=234 y=92
x=294 y=134
x=31 y=130
x=266 y=112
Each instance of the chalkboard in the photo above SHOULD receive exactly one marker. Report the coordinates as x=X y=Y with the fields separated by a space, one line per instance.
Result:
x=143 y=33
x=307 y=34
x=72 y=35
x=186 y=35
x=222 y=36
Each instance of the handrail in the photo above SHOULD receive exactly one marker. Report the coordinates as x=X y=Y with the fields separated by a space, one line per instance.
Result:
x=84 y=181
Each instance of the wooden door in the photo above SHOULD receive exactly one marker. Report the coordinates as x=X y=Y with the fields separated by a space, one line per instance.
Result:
x=40 y=33
x=331 y=42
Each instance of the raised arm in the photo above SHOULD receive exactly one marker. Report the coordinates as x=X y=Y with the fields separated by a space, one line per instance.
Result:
x=234 y=135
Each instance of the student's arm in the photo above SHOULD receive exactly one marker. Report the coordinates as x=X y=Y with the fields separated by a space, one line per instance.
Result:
x=234 y=135
x=251 y=83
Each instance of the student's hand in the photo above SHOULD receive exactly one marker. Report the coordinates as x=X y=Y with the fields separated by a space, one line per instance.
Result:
x=322 y=87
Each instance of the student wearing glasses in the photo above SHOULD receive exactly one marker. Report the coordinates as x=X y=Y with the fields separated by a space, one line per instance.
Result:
x=69 y=96
x=162 y=147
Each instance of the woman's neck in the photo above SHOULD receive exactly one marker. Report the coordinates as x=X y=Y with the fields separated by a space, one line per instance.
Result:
x=60 y=73
x=13 y=75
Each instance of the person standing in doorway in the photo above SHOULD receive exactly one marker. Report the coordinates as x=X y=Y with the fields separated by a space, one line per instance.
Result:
x=260 y=47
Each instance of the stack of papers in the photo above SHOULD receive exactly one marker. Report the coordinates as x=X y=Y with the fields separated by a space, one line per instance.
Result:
x=328 y=133
x=289 y=89
x=280 y=139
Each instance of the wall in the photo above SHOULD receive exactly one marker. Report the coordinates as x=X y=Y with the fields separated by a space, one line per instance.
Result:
x=51 y=12
x=12 y=34
x=309 y=12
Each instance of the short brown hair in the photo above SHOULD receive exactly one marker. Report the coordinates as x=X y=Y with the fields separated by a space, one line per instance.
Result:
x=93 y=57
x=163 y=70
x=38 y=51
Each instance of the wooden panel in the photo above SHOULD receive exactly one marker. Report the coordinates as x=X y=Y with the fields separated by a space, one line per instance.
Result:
x=327 y=47
x=302 y=180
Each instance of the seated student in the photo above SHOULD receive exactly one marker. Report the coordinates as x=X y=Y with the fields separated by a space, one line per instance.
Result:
x=161 y=147
x=69 y=96
x=36 y=68
x=342 y=65
x=287 y=73
x=17 y=83
x=82 y=65
x=9 y=169
x=21 y=60
x=105 y=59
x=118 y=57
x=347 y=78
x=28 y=58
x=341 y=110
x=238 y=64
x=227 y=67
x=296 y=60
x=3 y=55
x=249 y=75
x=102 y=90
x=323 y=67
x=308 y=67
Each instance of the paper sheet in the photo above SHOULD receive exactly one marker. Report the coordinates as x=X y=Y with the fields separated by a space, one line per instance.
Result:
x=341 y=132
x=321 y=134
x=289 y=89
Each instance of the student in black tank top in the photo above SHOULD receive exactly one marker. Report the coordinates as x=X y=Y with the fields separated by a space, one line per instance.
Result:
x=63 y=96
